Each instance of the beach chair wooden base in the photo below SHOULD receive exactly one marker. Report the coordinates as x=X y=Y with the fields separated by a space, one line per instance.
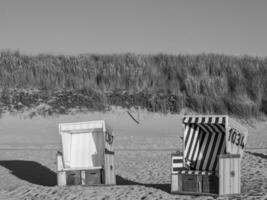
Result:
x=186 y=181
x=225 y=182
x=195 y=184
x=79 y=176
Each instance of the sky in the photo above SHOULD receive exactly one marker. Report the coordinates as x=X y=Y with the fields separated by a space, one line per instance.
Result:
x=232 y=27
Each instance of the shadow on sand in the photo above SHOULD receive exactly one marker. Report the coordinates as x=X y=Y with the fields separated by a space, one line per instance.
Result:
x=261 y=155
x=122 y=181
x=30 y=171
x=36 y=173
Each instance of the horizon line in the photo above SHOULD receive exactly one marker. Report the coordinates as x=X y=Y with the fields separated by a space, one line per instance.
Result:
x=25 y=53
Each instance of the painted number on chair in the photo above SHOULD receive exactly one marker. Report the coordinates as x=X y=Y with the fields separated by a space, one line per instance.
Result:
x=236 y=138
x=109 y=138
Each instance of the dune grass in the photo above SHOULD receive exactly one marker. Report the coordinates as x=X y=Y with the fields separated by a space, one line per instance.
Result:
x=205 y=83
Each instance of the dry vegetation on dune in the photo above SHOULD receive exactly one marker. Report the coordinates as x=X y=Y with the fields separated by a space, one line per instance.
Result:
x=205 y=83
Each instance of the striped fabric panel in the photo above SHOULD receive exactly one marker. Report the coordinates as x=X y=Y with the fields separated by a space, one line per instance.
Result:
x=204 y=120
x=203 y=142
x=178 y=160
x=176 y=169
x=177 y=163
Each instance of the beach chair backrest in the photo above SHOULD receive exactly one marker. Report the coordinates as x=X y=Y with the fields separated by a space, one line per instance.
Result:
x=204 y=140
x=83 y=144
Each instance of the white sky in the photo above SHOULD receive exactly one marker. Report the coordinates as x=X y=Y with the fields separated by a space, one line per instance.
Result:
x=233 y=27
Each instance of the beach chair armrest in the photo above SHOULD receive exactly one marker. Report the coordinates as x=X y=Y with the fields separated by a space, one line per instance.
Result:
x=60 y=163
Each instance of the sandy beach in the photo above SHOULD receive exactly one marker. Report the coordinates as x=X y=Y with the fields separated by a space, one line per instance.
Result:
x=28 y=158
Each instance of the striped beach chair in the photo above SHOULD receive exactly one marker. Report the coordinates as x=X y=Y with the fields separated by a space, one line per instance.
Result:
x=210 y=163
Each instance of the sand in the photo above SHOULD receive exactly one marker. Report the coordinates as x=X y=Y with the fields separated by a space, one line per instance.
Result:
x=28 y=159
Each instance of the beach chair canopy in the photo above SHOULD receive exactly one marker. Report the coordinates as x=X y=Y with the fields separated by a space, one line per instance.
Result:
x=207 y=136
x=84 y=143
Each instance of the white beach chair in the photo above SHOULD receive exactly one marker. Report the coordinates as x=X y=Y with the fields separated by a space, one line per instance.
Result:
x=87 y=156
